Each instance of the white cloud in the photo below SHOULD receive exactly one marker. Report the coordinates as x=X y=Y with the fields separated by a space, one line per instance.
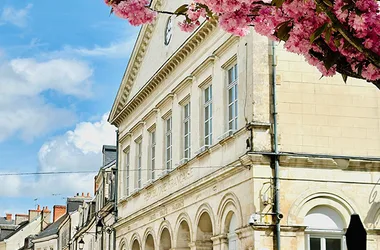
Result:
x=76 y=150
x=121 y=49
x=23 y=110
x=18 y=17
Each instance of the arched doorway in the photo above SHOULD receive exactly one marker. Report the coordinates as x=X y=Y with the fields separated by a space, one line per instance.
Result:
x=136 y=245
x=165 y=240
x=324 y=229
x=183 y=237
x=204 y=231
x=149 y=243
x=231 y=226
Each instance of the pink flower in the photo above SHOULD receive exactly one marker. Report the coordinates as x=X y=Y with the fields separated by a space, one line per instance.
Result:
x=135 y=11
x=187 y=27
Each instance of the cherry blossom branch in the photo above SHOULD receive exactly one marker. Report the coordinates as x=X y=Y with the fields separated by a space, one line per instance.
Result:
x=165 y=12
x=371 y=56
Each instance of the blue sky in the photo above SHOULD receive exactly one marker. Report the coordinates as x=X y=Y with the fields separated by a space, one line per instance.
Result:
x=60 y=68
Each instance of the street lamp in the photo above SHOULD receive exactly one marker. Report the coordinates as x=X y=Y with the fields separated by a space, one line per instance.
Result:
x=81 y=244
x=99 y=226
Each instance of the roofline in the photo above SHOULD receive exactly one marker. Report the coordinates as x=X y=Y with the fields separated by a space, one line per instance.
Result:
x=206 y=25
x=132 y=56
x=45 y=238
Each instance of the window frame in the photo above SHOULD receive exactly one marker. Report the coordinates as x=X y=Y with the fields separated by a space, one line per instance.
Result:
x=207 y=121
x=153 y=143
x=139 y=163
x=127 y=172
x=168 y=146
x=323 y=235
x=232 y=121
x=186 y=124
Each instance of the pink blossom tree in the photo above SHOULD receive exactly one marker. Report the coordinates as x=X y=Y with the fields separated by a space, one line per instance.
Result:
x=333 y=35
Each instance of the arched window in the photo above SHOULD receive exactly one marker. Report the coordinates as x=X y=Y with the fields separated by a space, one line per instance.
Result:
x=324 y=229
x=231 y=234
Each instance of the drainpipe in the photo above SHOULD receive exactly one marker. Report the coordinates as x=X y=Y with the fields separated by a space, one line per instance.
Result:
x=116 y=188
x=276 y=191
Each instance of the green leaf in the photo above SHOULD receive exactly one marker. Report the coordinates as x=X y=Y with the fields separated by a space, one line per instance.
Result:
x=337 y=43
x=181 y=9
x=319 y=9
x=330 y=61
x=347 y=7
x=328 y=34
x=277 y=3
x=282 y=30
x=359 y=67
x=328 y=3
x=318 y=32
x=344 y=78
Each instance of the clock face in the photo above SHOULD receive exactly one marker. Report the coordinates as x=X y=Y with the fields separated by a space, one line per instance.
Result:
x=168 y=31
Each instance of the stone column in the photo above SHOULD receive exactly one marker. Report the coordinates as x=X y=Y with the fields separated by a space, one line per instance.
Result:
x=246 y=237
x=219 y=241
x=201 y=245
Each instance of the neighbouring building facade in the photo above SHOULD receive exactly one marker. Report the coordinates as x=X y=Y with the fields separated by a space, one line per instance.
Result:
x=27 y=228
x=198 y=142
x=48 y=238
x=96 y=217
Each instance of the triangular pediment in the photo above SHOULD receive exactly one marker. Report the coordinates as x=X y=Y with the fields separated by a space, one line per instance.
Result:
x=151 y=56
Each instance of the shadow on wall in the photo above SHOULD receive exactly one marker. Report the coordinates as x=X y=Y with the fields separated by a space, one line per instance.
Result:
x=372 y=218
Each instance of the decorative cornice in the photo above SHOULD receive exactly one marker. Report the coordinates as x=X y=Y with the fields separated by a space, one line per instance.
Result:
x=183 y=84
x=167 y=98
x=122 y=138
x=225 y=46
x=136 y=127
x=229 y=62
x=122 y=110
x=203 y=66
x=205 y=82
x=150 y=114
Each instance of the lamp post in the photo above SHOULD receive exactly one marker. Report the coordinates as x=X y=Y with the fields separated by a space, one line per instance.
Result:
x=81 y=244
x=99 y=226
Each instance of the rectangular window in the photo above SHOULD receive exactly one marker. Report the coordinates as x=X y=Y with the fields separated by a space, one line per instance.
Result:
x=139 y=153
x=127 y=164
x=232 y=98
x=168 y=143
x=208 y=116
x=186 y=131
x=325 y=243
x=152 y=154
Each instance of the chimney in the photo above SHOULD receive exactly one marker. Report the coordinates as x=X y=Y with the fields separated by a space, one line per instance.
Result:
x=21 y=218
x=8 y=217
x=34 y=213
x=45 y=218
x=58 y=212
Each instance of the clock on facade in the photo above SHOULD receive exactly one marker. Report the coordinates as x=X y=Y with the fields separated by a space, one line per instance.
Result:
x=168 y=31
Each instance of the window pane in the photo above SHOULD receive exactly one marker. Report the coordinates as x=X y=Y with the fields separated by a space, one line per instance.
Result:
x=207 y=112
x=230 y=112
x=230 y=95
x=207 y=128
x=315 y=244
x=333 y=244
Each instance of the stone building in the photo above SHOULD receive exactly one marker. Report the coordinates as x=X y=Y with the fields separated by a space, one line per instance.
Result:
x=48 y=238
x=198 y=142
x=96 y=217
x=27 y=227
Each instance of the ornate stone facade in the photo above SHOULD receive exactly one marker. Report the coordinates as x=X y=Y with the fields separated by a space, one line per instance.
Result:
x=329 y=140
